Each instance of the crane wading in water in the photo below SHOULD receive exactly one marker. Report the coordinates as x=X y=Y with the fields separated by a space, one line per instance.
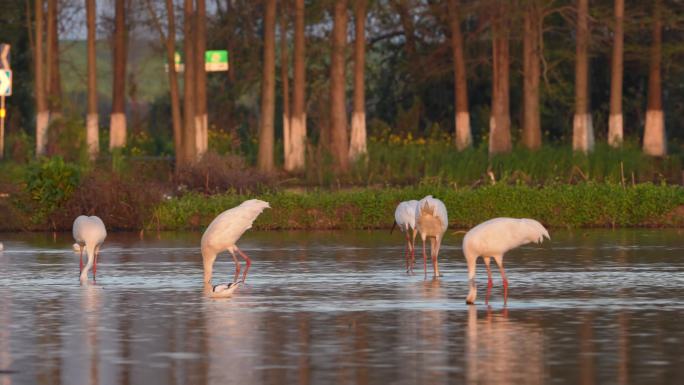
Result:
x=405 y=218
x=224 y=231
x=431 y=222
x=89 y=233
x=492 y=239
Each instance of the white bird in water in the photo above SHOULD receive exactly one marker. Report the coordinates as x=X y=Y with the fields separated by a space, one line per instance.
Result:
x=492 y=239
x=224 y=231
x=89 y=233
x=431 y=222
x=2 y=247
x=405 y=218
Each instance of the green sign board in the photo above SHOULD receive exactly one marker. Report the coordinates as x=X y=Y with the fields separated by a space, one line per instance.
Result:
x=214 y=61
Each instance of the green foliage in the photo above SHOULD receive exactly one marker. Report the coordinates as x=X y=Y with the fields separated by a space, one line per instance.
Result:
x=49 y=183
x=396 y=160
x=580 y=205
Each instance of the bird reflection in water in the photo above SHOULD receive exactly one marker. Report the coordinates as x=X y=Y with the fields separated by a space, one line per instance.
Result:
x=501 y=351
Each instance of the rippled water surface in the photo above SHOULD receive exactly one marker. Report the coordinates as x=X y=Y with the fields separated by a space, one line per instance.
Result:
x=587 y=307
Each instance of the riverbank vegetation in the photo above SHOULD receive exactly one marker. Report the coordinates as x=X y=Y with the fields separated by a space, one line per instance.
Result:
x=560 y=188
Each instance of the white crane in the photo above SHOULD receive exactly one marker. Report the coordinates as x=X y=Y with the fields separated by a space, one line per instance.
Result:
x=405 y=218
x=224 y=231
x=431 y=222
x=492 y=239
x=89 y=233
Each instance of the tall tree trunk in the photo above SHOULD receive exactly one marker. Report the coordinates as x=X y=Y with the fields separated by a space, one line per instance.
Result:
x=266 y=131
x=92 y=131
x=582 y=127
x=177 y=119
x=285 y=79
x=338 y=113
x=531 y=69
x=500 y=122
x=54 y=86
x=358 y=129
x=298 y=123
x=189 y=81
x=117 y=124
x=615 y=125
x=42 y=113
x=201 y=121
x=654 y=132
x=462 y=116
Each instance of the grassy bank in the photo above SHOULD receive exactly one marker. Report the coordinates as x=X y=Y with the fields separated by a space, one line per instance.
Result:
x=581 y=205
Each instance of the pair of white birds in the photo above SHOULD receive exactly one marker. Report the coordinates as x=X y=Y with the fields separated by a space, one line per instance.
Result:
x=222 y=234
x=490 y=239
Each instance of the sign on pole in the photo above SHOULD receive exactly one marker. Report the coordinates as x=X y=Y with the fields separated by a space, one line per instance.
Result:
x=214 y=61
x=5 y=82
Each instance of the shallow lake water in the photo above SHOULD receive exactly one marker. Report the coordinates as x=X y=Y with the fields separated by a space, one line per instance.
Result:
x=587 y=307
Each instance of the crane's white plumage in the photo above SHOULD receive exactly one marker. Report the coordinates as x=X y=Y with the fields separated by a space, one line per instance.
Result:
x=405 y=218
x=405 y=215
x=2 y=247
x=225 y=230
x=492 y=239
x=89 y=233
x=431 y=222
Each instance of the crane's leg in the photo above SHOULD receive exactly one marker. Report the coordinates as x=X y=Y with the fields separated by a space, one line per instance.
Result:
x=97 y=252
x=247 y=261
x=490 y=283
x=499 y=262
x=471 y=260
x=237 y=266
x=424 y=258
x=413 y=248
x=435 y=259
x=80 y=268
x=407 y=254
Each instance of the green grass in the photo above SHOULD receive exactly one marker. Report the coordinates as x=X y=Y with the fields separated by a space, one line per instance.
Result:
x=581 y=205
x=438 y=163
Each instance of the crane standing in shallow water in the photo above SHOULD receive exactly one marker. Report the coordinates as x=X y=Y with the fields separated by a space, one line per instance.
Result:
x=224 y=231
x=492 y=239
x=405 y=218
x=431 y=222
x=89 y=233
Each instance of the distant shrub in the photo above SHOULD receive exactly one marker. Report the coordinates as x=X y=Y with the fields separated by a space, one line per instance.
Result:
x=123 y=203
x=48 y=184
x=220 y=173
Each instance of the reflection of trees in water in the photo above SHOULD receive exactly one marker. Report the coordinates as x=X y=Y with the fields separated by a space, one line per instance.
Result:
x=501 y=351
x=5 y=334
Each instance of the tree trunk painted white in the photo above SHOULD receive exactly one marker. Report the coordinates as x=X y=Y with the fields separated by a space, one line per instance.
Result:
x=42 y=119
x=615 y=127
x=297 y=142
x=358 y=146
x=298 y=114
x=464 y=138
x=582 y=133
x=92 y=138
x=615 y=130
x=654 y=133
x=582 y=128
x=287 y=146
x=201 y=135
x=117 y=130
